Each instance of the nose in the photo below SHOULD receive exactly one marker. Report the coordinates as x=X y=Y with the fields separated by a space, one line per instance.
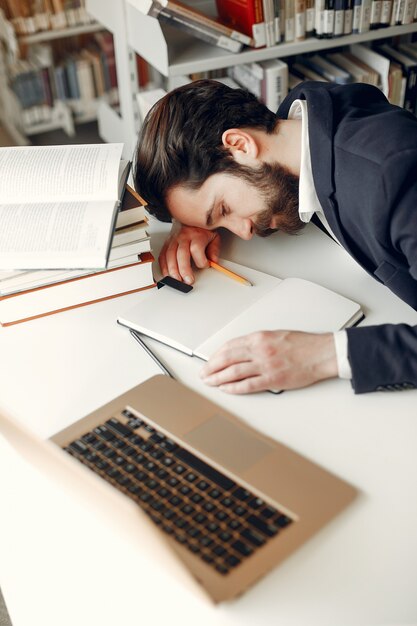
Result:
x=242 y=227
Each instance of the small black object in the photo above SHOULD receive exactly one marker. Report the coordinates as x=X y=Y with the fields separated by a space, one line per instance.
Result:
x=174 y=283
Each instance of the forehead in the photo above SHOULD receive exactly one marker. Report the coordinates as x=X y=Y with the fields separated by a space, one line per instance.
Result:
x=191 y=206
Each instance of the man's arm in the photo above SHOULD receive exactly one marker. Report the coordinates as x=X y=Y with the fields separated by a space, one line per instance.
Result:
x=184 y=244
x=383 y=358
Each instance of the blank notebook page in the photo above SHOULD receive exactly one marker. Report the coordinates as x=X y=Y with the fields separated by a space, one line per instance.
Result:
x=184 y=321
x=294 y=304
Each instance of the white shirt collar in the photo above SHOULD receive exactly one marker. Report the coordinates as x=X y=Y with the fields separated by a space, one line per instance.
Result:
x=308 y=202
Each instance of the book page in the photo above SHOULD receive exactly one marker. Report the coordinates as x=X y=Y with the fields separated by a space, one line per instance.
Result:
x=59 y=173
x=295 y=304
x=55 y=235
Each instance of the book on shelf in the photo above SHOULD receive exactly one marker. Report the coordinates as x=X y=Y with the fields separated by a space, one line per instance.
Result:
x=267 y=80
x=274 y=85
x=376 y=14
x=357 y=10
x=327 y=69
x=339 y=18
x=396 y=84
x=348 y=17
x=328 y=19
x=70 y=293
x=310 y=14
x=269 y=21
x=289 y=21
x=270 y=303
x=194 y=22
x=408 y=13
x=386 y=10
x=365 y=16
x=303 y=72
x=300 y=20
x=409 y=70
x=319 y=18
x=59 y=205
x=246 y=16
x=277 y=20
x=376 y=61
x=28 y=17
x=360 y=71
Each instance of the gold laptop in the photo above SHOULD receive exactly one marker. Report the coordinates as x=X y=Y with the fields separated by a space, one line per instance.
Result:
x=218 y=502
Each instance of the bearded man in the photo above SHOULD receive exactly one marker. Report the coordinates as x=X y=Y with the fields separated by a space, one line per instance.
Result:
x=209 y=156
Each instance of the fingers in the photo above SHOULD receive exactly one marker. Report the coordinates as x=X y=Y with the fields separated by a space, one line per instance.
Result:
x=184 y=245
x=272 y=360
x=213 y=249
x=237 y=378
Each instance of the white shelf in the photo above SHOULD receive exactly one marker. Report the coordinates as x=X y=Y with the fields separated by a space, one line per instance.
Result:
x=59 y=33
x=174 y=53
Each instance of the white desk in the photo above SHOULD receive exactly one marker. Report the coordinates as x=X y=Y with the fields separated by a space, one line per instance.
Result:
x=361 y=569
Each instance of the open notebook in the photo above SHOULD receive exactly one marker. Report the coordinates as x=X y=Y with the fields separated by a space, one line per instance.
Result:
x=220 y=308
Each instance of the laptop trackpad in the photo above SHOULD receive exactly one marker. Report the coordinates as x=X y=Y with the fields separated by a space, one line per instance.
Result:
x=228 y=444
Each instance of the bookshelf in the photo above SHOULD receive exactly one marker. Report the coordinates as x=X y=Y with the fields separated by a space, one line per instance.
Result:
x=59 y=113
x=173 y=53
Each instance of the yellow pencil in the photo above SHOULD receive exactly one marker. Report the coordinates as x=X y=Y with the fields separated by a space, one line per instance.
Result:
x=229 y=273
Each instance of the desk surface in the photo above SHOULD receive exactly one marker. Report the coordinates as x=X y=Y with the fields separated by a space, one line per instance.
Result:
x=361 y=569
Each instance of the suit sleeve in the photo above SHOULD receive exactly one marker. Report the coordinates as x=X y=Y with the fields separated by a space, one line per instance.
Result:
x=383 y=358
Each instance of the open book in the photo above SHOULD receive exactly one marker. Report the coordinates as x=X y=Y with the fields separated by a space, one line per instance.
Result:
x=59 y=205
x=219 y=308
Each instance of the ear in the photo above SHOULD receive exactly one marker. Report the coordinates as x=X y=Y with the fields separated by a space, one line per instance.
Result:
x=241 y=144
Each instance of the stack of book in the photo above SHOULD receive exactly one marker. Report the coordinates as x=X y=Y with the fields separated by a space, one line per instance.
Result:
x=66 y=238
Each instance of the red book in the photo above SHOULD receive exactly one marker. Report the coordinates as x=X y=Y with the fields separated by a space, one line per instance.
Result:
x=244 y=15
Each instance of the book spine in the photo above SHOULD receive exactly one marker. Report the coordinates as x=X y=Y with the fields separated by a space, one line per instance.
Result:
x=319 y=18
x=310 y=16
x=300 y=20
x=277 y=21
x=246 y=16
x=386 y=10
x=393 y=12
x=399 y=12
x=248 y=76
x=200 y=31
x=268 y=13
x=365 y=18
x=275 y=85
x=348 y=18
x=328 y=18
x=376 y=14
x=194 y=16
x=357 y=9
x=409 y=9
x=339 y=18
x=289 y=20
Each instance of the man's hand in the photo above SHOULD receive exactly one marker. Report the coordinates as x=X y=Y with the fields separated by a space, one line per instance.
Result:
x=186 y=243
x=279 y=359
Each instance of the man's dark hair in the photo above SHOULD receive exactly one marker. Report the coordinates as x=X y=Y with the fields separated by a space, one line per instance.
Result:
x=181 y=138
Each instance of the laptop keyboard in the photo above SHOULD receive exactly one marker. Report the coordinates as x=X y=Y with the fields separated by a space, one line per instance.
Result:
x=217 y=519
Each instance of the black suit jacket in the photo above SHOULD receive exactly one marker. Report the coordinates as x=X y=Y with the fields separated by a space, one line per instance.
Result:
x=364 y=162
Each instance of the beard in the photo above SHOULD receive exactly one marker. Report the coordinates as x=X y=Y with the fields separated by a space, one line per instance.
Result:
x=279 y=190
